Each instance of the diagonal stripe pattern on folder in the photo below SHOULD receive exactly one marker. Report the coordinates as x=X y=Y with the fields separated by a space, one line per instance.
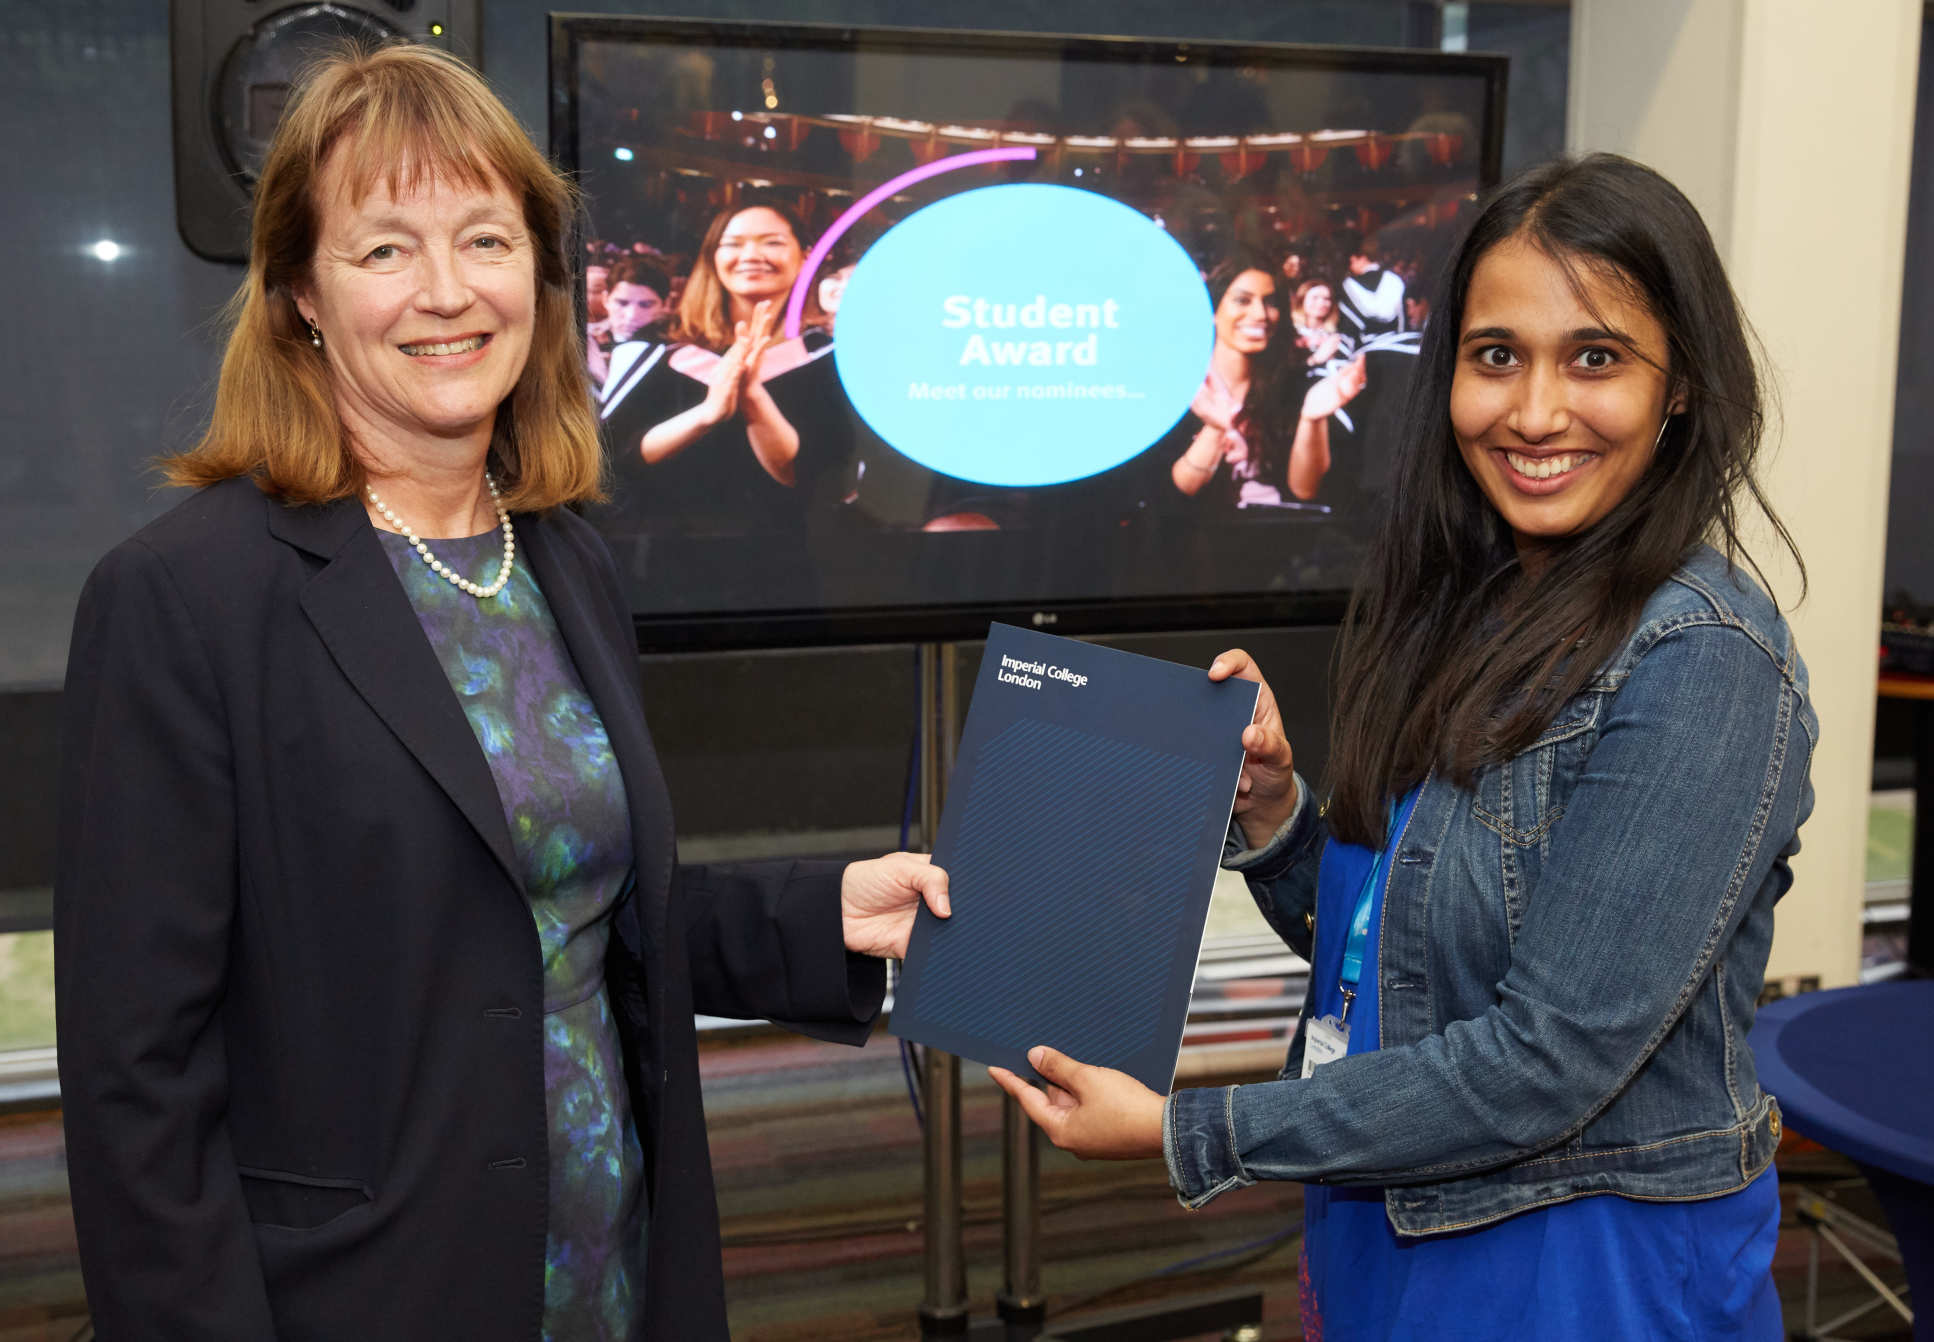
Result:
x=1111 y=827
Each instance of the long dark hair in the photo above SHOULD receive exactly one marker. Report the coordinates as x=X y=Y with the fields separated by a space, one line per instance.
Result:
x=1453 y=656
x=1274 y=401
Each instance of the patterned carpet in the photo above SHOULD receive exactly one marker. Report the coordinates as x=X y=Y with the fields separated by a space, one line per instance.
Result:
x=819 y=1157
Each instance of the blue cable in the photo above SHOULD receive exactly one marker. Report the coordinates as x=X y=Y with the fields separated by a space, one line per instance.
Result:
x=1262 y=1243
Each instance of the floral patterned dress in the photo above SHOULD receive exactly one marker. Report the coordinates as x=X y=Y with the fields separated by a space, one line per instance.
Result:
x=569 y=823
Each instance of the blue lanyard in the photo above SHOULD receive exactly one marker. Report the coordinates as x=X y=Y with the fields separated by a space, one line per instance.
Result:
x=1360 y=924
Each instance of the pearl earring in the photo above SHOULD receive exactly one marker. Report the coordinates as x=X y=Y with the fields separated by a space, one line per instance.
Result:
x=315 y=334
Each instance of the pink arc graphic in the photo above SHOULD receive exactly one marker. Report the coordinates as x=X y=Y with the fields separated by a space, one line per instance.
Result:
x=796 y=303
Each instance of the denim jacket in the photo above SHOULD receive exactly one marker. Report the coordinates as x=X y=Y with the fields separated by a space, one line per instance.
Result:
x=1570 y=949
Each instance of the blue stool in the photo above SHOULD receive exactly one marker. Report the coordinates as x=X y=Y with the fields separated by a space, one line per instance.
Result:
x=1853 y=1069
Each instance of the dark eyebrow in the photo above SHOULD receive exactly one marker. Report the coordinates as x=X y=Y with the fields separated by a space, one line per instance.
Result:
x=1581 y=335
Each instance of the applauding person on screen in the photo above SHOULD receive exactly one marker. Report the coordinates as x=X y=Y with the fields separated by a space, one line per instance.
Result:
x=748 y=426
x=1263 y=429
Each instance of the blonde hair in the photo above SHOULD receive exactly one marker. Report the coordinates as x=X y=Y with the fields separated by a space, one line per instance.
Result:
x=403 y=114
x=704 y=316
x=1300 y=317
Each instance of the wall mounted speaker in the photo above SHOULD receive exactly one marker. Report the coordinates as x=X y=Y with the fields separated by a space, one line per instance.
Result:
x=234 y=64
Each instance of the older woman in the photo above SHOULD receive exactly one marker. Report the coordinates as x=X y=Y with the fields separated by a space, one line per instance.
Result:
x=376 y=964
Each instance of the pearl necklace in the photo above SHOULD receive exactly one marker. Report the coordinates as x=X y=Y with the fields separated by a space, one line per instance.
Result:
x=443 y=570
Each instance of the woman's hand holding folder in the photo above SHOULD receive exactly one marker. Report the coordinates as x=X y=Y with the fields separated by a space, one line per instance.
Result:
x=1266 y=796
x=1102 y=1114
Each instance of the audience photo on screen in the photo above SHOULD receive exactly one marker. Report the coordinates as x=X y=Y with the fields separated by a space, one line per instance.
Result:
x=596 y=270
x=637 y=296
x=1372 y=299
x=1313 y=313
x=725 y=424
x=703 y=515
x=1257 y=414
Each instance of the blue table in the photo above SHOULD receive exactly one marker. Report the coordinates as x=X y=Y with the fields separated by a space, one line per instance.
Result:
x=1853 y=1068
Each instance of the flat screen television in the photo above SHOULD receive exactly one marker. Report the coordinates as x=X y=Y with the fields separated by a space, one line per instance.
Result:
x=895 y=332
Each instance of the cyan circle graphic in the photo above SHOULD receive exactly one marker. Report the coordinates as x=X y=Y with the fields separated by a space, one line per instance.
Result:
x=1023 y=335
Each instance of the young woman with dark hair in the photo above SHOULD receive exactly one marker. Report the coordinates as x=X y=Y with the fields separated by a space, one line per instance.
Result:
x=1257 y=411
x=1568 y=767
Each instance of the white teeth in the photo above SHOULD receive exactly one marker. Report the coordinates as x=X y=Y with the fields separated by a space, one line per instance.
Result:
x=447 y=346
x=1544 y=468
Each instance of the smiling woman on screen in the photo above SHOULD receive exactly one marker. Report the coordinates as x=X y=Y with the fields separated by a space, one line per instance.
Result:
x=1263 y=428
x=1569 y=762
x=738 y=430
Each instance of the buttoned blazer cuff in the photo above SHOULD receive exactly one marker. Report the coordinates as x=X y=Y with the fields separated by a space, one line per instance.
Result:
x=1199 y=1144
x=1284 y=848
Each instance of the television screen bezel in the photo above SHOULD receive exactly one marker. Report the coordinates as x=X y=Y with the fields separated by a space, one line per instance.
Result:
x=868 y=625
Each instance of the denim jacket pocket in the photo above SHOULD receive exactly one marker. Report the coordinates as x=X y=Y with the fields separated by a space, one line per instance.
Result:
x=1521 y=799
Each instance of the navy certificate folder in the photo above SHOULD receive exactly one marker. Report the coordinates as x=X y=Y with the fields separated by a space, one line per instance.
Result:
x=1081 y=836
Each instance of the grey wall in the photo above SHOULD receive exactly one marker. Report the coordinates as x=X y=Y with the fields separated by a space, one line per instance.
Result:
x=105 y=365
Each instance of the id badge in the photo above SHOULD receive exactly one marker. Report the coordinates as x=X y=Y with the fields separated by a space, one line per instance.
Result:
x=1326 y=1040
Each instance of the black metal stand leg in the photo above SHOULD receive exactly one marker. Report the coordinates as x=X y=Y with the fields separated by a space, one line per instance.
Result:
x=1021 y=1304
x=943 y=1310
x=943 y=1313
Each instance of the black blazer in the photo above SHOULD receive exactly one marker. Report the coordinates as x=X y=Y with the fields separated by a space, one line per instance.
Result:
x=299 y=995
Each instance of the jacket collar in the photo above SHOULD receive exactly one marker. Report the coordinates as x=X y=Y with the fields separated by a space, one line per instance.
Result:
x=367 y=623
x=369 y=627
x=321 y=529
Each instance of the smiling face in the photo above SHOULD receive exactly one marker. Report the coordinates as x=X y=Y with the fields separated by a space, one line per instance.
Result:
x=632 y=307
x=1317 y=303
x=1246 y=317
x=426 y=303
x=1558 y=395
x=757 y=257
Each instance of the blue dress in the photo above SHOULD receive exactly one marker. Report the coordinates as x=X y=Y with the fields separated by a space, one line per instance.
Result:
x=570 y=825
x=1592 y=1268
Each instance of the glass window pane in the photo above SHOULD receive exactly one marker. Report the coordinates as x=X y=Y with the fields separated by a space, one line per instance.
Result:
x=26 y=990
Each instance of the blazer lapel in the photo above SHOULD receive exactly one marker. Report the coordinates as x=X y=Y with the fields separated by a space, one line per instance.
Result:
x=610 y=675
x=370 y=628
